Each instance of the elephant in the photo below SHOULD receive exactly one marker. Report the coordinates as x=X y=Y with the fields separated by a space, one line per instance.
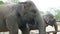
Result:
x=50 y=20
x=11 y=14
x=30 y=13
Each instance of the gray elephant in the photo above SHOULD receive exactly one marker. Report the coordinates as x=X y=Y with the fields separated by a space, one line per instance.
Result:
x=50 y=20
x=11 y=14
x=31 y=13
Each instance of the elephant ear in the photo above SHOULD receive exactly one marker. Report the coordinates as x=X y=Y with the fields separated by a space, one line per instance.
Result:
x=46 y=18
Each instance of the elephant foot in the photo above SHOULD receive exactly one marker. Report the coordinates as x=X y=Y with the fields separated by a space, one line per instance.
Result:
x=54 y=33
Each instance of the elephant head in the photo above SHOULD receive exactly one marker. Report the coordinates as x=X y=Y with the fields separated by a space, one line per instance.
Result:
x=49 y=19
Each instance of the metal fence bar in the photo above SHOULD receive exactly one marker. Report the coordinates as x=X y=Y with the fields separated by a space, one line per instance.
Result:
x=53 y=31
x=57 y=20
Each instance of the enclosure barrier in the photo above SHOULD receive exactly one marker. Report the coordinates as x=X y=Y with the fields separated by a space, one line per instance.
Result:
x=57 y=20
x=52 y=31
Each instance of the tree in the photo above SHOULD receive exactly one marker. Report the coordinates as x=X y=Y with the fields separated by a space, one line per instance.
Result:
x=14 y=0
x=58 y=14
x=1 y=2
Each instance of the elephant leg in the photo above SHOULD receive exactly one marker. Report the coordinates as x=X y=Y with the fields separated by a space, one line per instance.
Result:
x=14 y=30
x=42 y=29
x=12 y=25
x=25 y=31
x=56 y=28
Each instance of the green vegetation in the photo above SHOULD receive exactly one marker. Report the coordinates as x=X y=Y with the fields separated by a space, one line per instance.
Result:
x=1 y=2
x=14 y=0
x=58 y=14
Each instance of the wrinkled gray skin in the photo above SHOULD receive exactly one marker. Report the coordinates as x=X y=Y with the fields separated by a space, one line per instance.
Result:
x=50 y=20
x=10 y=17
x=8 y=20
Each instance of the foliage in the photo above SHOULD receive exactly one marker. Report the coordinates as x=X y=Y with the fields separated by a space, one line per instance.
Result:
x=58 y=14
x=1 y=2
x=14 y=0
